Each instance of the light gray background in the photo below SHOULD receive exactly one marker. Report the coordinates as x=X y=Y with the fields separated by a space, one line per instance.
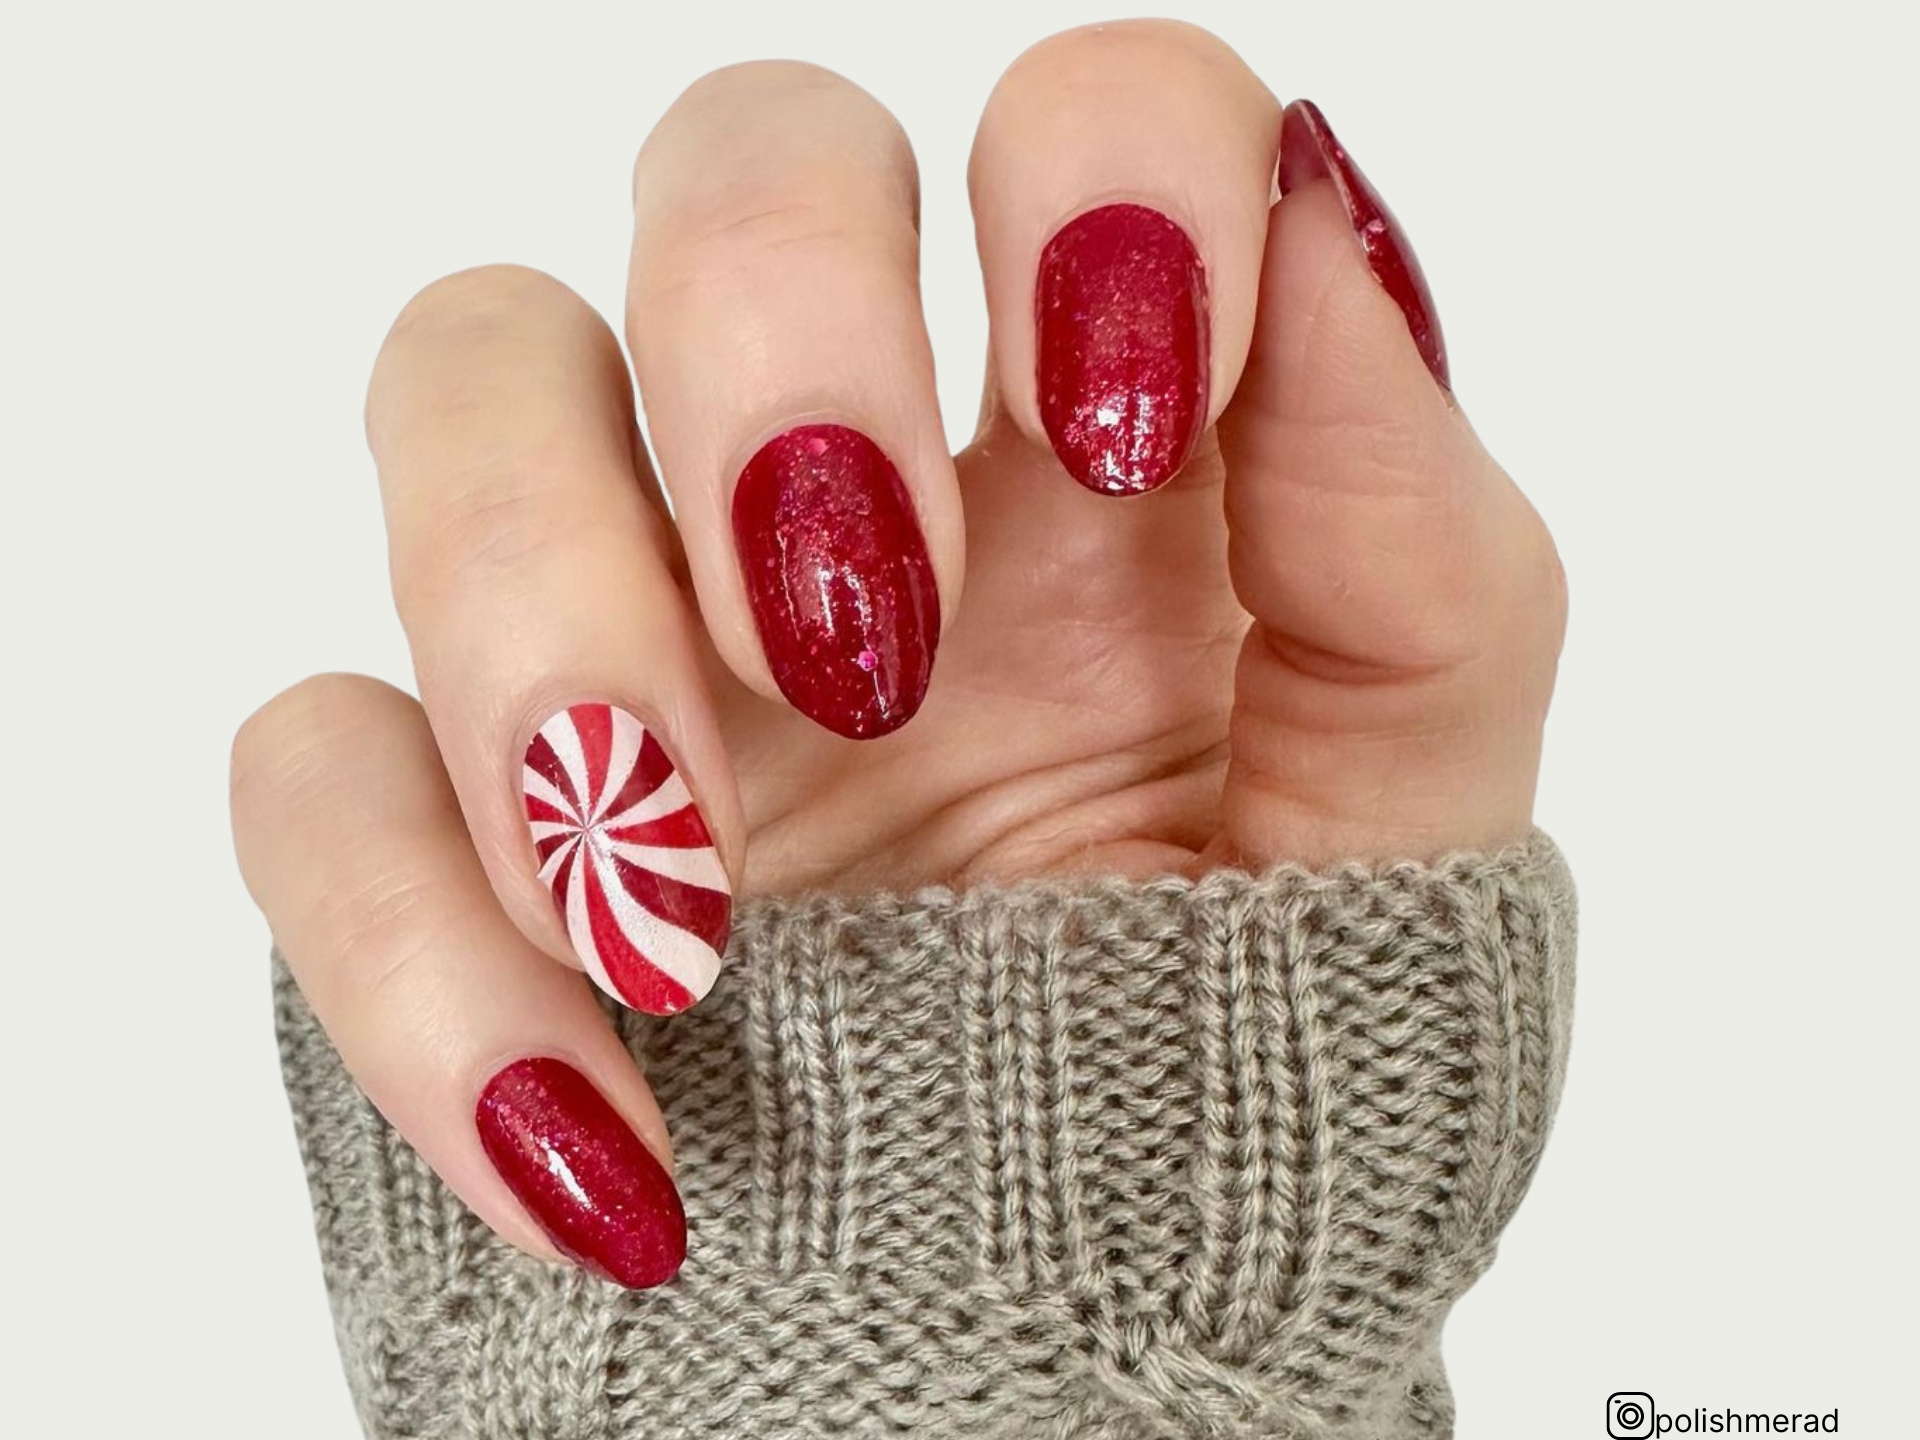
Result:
x=1673 y=247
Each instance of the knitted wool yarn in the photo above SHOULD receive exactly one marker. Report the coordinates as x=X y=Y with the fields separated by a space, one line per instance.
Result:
x=1094 y=1161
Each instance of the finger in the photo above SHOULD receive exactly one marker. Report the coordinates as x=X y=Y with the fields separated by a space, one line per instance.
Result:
x=492 y=1062
x=773 y=312
x=1408 y=603
x=1121 y=179
x=557 y=658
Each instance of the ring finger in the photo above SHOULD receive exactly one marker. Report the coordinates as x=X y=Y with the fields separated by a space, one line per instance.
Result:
x=556 y=656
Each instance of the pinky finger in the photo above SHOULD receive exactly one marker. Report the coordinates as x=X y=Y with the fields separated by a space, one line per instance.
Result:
x=491 y=1061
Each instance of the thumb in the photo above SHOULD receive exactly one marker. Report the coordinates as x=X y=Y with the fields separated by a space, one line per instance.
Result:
x=1408 y=604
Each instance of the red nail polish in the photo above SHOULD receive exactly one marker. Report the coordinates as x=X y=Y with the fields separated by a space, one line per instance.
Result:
x=838 y=577
x=1120 y=313
x=582 y=1173
x=1308 y=152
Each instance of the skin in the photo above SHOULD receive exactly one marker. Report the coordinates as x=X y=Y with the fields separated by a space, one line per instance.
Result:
x=1332 y=636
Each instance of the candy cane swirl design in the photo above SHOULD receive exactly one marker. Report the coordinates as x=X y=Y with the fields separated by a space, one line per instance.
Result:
x=627 y=857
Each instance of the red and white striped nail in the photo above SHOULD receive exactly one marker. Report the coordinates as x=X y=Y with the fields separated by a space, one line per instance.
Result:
x=631 y=864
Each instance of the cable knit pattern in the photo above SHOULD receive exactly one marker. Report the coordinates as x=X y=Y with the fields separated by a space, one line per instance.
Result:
x=1093 y=1161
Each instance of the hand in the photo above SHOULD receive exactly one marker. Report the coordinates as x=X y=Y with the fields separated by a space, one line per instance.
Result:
x=1330 y=631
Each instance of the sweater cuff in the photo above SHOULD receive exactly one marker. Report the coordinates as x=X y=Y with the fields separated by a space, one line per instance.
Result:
x=1091 y=1159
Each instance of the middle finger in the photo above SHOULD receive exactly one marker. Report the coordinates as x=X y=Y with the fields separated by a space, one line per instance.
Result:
x=773 y=311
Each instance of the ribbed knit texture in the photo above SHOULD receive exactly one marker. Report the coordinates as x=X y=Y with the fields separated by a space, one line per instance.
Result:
x=1099 y=1161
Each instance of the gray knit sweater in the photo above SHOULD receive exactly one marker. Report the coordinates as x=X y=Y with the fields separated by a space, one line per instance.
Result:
x=1134 y=1162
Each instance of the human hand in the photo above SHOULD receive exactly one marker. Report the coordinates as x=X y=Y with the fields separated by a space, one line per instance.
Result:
x=1330 y=631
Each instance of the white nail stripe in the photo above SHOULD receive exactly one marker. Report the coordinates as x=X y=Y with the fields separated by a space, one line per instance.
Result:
x=580 y=930
x=622 y=753
x=694 y=865
x=666 y=798
x=547 y=829
x=541 y=788
x=682 y=955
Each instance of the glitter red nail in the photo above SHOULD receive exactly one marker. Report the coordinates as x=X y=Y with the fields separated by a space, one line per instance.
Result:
x=1120 y=314
x=582 y=1173
x=838 y=577
x=1310 y=151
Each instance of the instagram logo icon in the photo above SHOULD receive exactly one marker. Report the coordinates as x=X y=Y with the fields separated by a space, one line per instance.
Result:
x=1629 y=1414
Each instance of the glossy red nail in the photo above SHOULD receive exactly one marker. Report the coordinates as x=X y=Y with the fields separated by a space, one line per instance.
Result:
x=838 y=577
x=1308 y=152
x=1120 y=315
x=582 y=1173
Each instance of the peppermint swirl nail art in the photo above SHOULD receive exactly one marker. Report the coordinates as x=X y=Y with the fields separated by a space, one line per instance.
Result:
x=627 y=857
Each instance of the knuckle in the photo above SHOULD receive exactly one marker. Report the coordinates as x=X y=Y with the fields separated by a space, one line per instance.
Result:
x=378 y=929
x=793 y=95
x=780 y=98
x=1542 y=579
x=1501 y=591
x=284 y=750
x=724 y=242
x=725 y=257
x=720 y=172
x=482 y=297
x=724 y=89
x=490 y=528
x=1175 y=52
x=362 y=917
x=469 y=318
x=763 y=224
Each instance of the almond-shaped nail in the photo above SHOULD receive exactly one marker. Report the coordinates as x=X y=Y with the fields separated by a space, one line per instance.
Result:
x=1121 y=326
x=629 y=861
x=582 y=1173
x=838 y=579
x=1310 y=151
